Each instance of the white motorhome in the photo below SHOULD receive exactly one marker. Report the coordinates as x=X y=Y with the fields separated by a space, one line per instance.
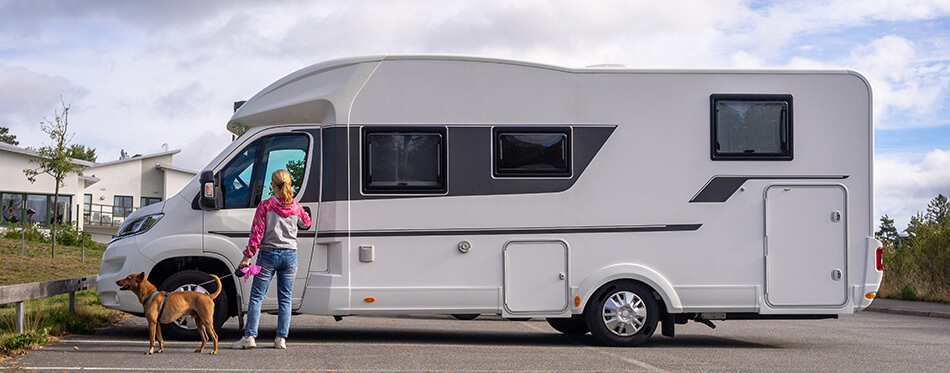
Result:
x=606 y=200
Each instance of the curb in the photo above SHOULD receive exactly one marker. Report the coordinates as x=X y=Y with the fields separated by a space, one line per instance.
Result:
x=909 y=312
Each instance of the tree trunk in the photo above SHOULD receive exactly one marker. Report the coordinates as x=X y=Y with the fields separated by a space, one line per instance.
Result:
x=52 y=249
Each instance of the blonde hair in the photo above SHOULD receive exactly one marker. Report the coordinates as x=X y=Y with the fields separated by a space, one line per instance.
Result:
x=282 y=186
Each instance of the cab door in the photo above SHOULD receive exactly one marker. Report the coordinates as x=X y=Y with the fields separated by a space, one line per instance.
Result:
x=244 y=181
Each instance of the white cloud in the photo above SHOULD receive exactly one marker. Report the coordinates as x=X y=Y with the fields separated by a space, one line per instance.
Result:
x=27 y=97
x=902 y=187
x=900 y=80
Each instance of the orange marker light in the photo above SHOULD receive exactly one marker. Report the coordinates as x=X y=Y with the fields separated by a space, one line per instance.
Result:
x=870 y=295
x=577 y=301
x=369 y=299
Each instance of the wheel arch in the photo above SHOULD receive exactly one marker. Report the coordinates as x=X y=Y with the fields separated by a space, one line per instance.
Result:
x=659 y=284
x=168 y=266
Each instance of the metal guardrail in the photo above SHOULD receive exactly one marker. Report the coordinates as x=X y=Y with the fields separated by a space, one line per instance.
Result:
x=35 y=290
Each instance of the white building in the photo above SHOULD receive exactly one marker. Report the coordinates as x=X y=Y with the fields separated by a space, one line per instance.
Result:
x=106 y=193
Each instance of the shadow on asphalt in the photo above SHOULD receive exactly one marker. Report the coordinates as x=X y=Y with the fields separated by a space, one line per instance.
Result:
x=340 y=332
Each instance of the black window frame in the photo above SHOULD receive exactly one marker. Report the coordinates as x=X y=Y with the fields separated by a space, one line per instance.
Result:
x=786 y=155
x=497 y=171
x=366 y=179
x=122 y=210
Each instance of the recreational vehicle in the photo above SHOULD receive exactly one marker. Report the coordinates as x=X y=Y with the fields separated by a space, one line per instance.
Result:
x=606 y=200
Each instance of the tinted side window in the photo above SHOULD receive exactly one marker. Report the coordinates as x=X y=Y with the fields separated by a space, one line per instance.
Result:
x=751 y=127
x=247 y=177
x=237 y=175
x=404 y=160
x=532 y=152
x=288 y=152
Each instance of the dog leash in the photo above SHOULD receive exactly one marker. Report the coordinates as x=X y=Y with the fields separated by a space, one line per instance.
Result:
x=240 y=272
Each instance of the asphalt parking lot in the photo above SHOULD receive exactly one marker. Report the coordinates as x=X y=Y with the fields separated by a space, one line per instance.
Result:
x=867 y=341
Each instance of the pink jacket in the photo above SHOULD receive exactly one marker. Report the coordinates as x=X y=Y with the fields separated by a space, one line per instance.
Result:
x=275 y=226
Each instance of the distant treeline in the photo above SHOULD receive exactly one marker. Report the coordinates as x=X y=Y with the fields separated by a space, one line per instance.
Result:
x=917 y=260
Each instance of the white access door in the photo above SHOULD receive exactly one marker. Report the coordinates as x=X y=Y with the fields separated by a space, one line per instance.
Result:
x=536 y=276
x=806 y=245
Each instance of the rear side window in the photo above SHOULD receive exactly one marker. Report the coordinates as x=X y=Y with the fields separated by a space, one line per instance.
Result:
x=751 y=127
x=534 y=152
x=404 y=160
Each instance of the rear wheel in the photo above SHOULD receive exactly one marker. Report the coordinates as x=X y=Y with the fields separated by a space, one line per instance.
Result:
x=192 y=280
x=575 y=325
x=622 y=313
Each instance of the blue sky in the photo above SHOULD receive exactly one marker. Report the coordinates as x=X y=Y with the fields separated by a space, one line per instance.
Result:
x=142 y=74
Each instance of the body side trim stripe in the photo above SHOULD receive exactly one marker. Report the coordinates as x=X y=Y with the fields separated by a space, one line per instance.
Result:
x=488 y=231
x=720 y=188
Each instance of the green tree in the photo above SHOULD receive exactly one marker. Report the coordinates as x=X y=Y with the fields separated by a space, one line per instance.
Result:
x=79 y=151
x=937 y=209
x=54 y=160
x=6 y=137
x=888 y=232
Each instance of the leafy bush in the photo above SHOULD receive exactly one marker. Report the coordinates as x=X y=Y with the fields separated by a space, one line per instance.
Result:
x=18 y=342
x=917 y=263
x=31 y=233
x=70 y=322
x=71 y=236
x=908 y=292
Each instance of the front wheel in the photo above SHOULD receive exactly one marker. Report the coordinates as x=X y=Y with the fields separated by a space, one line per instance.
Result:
x=186 y=328
x=623 y=314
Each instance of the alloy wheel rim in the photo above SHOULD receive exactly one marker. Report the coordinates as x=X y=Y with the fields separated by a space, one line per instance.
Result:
x=624 y=313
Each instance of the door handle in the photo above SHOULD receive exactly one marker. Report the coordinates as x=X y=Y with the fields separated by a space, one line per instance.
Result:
x=310 y=214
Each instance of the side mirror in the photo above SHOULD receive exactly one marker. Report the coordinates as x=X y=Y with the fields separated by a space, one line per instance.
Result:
x=210 y=197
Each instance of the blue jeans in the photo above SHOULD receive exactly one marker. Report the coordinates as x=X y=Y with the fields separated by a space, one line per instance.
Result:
x=283 y=265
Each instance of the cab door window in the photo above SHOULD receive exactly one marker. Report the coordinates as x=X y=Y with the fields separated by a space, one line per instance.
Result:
x=247 y=177
x=282 y=152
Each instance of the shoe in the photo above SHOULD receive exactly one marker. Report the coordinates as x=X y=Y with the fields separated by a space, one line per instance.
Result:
x=244 y=342
x=280 y=342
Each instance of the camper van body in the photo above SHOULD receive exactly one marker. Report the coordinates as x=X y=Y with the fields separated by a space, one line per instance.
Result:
x=422 y=178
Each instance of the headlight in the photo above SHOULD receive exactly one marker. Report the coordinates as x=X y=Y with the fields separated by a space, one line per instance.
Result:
x=138 y=226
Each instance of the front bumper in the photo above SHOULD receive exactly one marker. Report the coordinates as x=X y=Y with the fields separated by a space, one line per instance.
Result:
x=120 y=259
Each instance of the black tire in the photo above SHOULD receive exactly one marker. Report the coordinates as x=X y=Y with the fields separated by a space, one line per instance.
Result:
x=465 y=316
x=185 y=328
x=622 y=314
x=575 y=325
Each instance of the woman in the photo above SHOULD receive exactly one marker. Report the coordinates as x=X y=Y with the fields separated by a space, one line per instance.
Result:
x=274 y=231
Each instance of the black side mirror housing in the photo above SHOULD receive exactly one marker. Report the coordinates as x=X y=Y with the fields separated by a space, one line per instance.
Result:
x=210 y=197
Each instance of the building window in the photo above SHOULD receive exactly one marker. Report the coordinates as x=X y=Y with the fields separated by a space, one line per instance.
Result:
x=751 y=127
x=62 y=214
x=150 y=200
x=404 y=160
x=121 y=206
x=37 y=209
x=19 y=208
x=13 y=211
x=532 y=152
x=86 y=207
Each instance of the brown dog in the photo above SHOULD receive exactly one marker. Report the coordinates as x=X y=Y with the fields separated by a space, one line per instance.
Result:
x=163 y=307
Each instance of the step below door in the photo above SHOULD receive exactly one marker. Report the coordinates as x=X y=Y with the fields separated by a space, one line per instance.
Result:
x=536 y=276
x=806 y=245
